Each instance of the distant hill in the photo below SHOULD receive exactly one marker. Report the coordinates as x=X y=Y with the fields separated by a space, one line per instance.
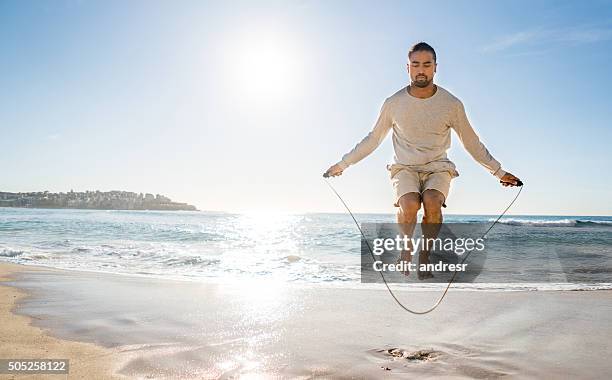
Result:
x=97 y=200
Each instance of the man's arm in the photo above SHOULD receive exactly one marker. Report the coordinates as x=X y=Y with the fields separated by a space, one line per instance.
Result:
x=472 y=143
x=367 y=145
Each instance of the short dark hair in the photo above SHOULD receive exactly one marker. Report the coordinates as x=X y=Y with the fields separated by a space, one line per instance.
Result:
x=422 y=46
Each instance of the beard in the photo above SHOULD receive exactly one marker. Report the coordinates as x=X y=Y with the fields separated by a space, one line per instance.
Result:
x=421 y=81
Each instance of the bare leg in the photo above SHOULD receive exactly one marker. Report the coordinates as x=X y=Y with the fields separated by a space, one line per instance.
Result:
x=409 y=205
x=432 y=221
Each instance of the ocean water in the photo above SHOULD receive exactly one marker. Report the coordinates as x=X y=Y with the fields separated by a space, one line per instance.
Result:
x=314 y=248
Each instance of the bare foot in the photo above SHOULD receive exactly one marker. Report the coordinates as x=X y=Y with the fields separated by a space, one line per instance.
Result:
x=423 y=259
x=405 y=256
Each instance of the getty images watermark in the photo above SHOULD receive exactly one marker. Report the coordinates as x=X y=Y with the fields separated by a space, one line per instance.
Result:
x=473 y=253
x=459 y=246
x=434 y=251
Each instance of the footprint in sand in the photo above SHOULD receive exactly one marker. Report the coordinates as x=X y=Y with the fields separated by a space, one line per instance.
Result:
x=415 y=356
x=454 y=360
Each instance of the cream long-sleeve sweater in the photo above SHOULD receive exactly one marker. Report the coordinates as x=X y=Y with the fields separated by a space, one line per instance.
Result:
x=421 y=133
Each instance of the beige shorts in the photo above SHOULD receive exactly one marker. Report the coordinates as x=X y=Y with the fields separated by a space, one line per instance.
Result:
x=407 y=181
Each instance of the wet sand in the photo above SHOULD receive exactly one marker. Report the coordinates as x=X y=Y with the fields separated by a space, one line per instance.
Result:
x=19 y=339
x=170 y=329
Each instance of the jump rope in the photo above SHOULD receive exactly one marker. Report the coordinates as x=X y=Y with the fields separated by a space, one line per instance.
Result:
x=400 y=304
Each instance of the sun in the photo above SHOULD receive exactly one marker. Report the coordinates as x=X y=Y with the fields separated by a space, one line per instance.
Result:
x=269 y=69
x=264 y=69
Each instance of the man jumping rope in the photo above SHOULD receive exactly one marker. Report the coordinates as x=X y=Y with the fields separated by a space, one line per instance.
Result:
x=421 y=116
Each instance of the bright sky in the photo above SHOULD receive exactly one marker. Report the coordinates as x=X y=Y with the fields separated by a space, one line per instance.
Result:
x=241 y=106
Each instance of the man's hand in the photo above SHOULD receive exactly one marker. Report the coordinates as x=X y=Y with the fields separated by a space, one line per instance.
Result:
x=333 y=171
x=510 y=180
